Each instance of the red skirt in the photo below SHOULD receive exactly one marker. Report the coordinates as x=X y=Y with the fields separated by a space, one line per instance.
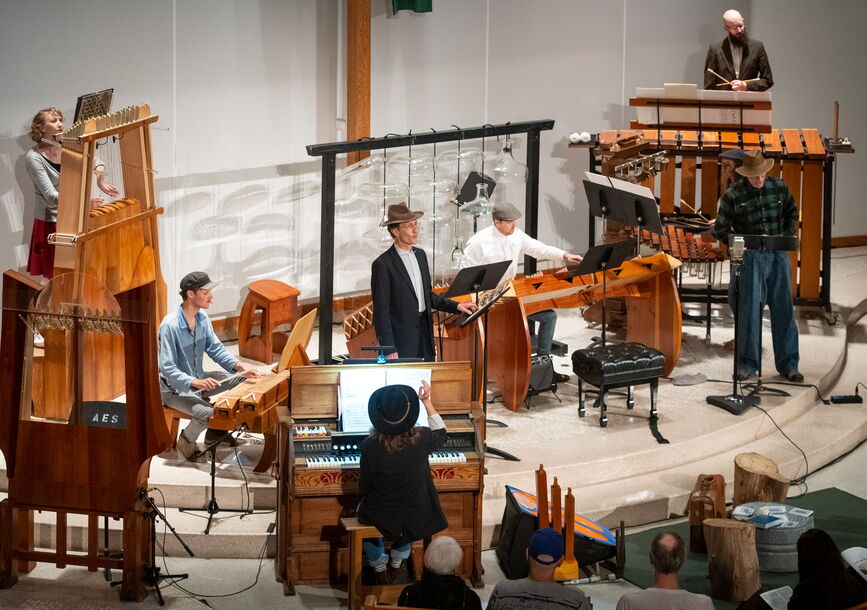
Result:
x=41 y=259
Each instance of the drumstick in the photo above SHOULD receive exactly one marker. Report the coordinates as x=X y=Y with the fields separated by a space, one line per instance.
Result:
x=725 y=82
x=752 y=80
x=700 y=215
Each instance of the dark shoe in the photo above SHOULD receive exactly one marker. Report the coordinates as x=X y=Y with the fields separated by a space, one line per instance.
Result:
x=743 y=375
x=560 y=378
x=383 y=577
x=212 y=435
x=795 y=376
x=399 y=575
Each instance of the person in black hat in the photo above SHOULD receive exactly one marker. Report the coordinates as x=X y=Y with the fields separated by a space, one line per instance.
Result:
x=402 y=295
x=185 y=335
x=397 y=491
x=503 y=240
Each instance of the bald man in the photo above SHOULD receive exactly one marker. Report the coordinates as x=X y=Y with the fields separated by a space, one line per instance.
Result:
x=738 y=59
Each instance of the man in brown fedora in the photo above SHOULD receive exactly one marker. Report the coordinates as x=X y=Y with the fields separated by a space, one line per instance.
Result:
x=761 y=205
x=402 y=295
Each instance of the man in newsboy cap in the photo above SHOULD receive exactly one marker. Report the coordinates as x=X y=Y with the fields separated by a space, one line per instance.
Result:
x=503 y=240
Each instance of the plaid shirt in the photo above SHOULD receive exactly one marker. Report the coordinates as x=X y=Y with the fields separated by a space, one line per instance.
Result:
x=746 y=210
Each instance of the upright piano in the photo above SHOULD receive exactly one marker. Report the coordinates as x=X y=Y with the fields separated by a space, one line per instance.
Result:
x=318 y=473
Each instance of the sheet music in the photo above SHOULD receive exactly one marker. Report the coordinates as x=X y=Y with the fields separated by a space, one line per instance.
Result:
x=412 y=378
x=635 y=189
x=597 y=178
x=357 y=385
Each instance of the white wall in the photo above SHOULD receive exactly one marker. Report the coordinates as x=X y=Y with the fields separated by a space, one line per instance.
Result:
x=242 y=86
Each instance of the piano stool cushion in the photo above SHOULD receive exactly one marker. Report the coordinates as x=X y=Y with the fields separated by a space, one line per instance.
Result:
x=618 y=364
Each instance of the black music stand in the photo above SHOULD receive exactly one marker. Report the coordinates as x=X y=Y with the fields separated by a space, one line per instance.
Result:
x=213 y=507
x=602 y=258
x=767 y=243
x=473 y=280
x=619 y=201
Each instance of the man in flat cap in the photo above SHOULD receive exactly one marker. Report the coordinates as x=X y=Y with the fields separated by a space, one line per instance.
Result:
x=761 y=205
x=504 y=241
x=185 y=336
x=402 y=295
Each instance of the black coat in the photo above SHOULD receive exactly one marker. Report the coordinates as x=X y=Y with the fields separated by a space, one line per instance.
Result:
x=448 y=592
x=398 y=493
x=754 y=64
x=395 y=306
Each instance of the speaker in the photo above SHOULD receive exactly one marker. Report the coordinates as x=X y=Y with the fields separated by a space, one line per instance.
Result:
x=541 y=375
x=517 y=527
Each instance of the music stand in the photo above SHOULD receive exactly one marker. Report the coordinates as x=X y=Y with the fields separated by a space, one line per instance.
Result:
x=602 y=258
x=474 y=280
x=630 y=204
x=92 y=104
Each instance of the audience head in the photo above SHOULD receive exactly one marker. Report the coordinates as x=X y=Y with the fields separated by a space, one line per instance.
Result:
x=667 y=553
x=545 y=549
x=443 y=555
x=818 y=553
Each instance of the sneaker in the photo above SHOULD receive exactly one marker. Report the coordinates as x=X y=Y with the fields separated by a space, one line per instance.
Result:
x=795 y=376
x=560 y=378
x=212 y=435
x=382 y=577
x=187 y=449
x=398 y=575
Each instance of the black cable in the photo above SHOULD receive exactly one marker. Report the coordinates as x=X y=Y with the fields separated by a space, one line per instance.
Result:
x=246 y=485
x=799 y=480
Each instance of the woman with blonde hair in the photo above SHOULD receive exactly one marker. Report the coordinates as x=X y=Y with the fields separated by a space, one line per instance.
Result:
x=43 y=166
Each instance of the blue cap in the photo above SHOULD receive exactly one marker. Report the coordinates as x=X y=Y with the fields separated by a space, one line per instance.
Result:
x=546 y=546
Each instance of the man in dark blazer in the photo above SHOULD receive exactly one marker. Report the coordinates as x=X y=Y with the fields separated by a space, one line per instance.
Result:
x=738 y=59
x=402 y=296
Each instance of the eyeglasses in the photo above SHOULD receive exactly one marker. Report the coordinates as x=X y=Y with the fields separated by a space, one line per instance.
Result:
x=736 y=28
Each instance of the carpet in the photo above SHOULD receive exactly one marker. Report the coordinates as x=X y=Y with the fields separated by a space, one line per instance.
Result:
x=841 y=514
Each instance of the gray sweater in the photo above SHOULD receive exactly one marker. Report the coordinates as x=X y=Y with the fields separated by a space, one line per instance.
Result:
x=46 y=181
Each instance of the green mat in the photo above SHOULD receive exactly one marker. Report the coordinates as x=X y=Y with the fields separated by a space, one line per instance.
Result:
x=841 y=514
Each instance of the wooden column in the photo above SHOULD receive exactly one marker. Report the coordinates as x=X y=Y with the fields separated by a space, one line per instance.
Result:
x=357 y=74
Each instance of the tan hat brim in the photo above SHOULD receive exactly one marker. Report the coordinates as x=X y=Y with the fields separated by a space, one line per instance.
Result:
x=755 y=171
x=397 y=221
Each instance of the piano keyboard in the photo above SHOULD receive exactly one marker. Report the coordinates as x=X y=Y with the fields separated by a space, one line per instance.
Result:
x=352 y=460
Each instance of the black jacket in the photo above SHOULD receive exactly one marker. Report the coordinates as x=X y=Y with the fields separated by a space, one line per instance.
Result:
x=441 y=592
x=754 y=64
x=398 y=493
x=395 y=307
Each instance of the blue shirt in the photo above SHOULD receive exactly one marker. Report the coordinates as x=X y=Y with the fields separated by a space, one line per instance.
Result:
x=182 y=350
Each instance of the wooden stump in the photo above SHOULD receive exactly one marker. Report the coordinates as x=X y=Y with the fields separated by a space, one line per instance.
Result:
x=707 y=501
x=757 y=479
x=733 y=564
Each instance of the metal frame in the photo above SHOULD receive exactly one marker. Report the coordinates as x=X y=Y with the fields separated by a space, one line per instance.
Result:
x=329 y=153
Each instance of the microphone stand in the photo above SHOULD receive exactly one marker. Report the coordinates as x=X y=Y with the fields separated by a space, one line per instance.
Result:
x=213 y=507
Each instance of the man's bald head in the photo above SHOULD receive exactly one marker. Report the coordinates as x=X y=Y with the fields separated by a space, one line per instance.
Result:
x=667 y=553
x=733 y=23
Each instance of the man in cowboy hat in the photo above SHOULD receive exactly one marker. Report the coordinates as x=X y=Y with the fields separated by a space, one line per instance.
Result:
x=739 y=59
x=503 y=240
x=402 y=295
x=762 y=205
x=185 y=336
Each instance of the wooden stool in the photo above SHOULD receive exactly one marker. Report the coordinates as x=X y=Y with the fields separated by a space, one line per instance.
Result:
x=732 y=561
x=757 y=479
x=279 y=305
x=357 y=589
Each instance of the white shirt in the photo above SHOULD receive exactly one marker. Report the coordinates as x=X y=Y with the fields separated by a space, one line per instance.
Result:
x=411 y=263
x=490 y=246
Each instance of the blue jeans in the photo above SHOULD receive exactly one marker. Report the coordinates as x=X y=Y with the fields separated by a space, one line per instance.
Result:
x=194 y=404
x=547 y=321
x=765 y=279
x=374 y=552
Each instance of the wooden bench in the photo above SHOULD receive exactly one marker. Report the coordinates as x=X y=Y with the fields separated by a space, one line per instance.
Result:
x=357 y=589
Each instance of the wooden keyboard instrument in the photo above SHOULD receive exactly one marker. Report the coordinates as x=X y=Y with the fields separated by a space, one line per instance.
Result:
x=318 y=473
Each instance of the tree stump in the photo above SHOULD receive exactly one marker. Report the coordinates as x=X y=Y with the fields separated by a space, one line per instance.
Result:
x=732 y=561
x=757 y=479
x=707 y=501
